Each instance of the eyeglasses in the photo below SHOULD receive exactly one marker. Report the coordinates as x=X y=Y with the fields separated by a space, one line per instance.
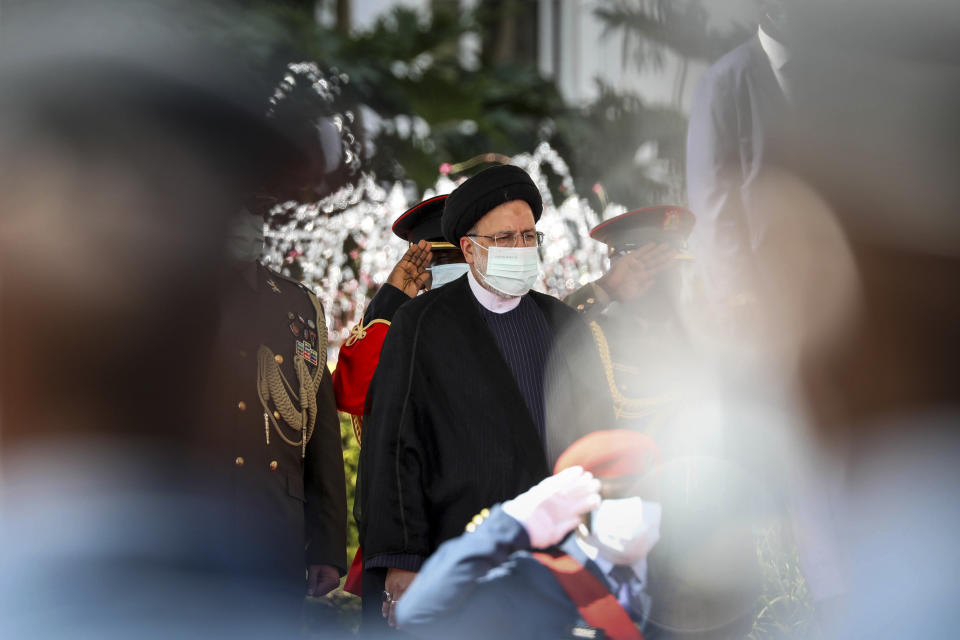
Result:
x=525 y=239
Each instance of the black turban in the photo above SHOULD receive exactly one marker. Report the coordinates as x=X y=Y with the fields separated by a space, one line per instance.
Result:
x=485 y=191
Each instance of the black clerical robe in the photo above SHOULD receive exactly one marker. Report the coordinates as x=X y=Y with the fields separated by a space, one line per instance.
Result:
x=447 y=431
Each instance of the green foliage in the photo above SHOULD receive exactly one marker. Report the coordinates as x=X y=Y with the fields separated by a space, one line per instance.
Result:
x=623 y=123
x=651 y=27
x=785 y=610
x=351 y=456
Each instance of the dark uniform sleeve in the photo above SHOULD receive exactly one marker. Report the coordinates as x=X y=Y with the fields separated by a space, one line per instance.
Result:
x=325 y=486
x=384 y=304
x=462 y=590
x=589 y=301
x=714 y=183
x=392 y=514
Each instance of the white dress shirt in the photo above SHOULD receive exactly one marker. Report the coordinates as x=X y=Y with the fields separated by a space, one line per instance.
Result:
x=490 y=300
x=778 y=56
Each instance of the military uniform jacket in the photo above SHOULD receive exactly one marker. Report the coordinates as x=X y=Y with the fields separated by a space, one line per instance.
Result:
x=360 y=354
x=447 y=431
x=646 y=366
x=293 y=497
x=486 y=584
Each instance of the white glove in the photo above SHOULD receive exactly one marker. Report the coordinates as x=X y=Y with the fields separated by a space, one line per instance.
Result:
x=551 y=509
x=625 y=529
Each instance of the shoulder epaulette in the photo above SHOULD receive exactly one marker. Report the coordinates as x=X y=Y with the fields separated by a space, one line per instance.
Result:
x=359 y=332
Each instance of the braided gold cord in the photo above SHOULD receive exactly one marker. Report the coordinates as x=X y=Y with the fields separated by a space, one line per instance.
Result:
x=298 y=408
x=359 y=332
x=357 y=427
x=272 y=385
x=623 y=407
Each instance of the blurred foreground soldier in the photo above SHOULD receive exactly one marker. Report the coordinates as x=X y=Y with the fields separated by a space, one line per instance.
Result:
x=275 y=414
x=703 y=574
x=491 y=582
x=634 y=314
x=877 y=318
x=430 y=262
x=120 y=175
x=479 y=382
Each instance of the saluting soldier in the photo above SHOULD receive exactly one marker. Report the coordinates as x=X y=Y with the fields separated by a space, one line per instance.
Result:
x=638 y=315
x=430 y=262
x=634 y=314
x=516 y=573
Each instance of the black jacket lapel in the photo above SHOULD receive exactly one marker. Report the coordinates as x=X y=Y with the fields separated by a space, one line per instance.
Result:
x=486 y=356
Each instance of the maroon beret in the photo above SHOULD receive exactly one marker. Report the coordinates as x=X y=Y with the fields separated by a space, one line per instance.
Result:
x=611 y=454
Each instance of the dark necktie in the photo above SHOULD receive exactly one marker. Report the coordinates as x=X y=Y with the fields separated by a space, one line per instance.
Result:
x=624 y=578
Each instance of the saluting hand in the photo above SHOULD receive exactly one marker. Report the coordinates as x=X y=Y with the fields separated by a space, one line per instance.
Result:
x=411 y=275
x=552 y=509
x=634 y=274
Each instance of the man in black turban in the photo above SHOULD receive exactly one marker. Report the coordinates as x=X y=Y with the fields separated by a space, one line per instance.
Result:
x=480 y=385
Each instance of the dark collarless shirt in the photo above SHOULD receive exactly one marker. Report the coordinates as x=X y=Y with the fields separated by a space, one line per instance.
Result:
x=524 y=338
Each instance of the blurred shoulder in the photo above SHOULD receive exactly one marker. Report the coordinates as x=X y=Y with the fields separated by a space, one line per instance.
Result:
x=733 y=65
x=285 y=283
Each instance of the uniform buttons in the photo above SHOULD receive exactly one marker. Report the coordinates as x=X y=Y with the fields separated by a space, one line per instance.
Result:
x=485 y=513
x=278 y=358
x=243 y=354
x=239 y=461
x=242 y=405
x=276 y=415
x=273 y=465
x=471 y=528
x=590 y=300
x=580 y=307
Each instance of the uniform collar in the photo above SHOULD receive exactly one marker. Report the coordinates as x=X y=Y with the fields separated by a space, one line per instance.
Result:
x=639 y=567
x=490 y=300
x=776 y=52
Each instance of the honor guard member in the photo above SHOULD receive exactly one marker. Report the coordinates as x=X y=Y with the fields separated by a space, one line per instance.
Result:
x=660 y=386
x=276 y=415
x=517 y=573
x=634 y=314
x=430 y=262
x=281 y=434
x=480 y=383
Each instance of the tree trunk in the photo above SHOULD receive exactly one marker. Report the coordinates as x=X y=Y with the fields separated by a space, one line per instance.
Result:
x=343 y=13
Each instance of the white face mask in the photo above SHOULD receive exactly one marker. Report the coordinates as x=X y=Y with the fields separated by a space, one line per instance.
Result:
x=245 y=238
x=442 y=274
x=624 y=530
x=510 y=271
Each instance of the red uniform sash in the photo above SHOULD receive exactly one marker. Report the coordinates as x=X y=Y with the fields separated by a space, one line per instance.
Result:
x=597 y=606
x=354 y=582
